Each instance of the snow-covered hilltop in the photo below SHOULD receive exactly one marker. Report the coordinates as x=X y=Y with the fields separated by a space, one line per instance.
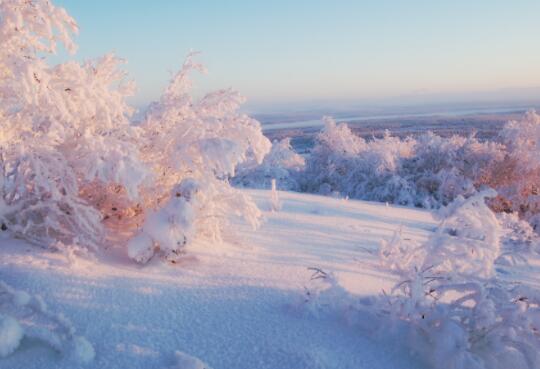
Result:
x=239 y=305
x=165 y=243
x=251 y=302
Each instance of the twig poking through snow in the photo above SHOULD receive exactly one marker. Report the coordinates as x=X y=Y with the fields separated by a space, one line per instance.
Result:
x=274 y=197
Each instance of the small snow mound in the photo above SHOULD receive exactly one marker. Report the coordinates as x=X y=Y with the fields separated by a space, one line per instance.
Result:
x=324 y=295
x=140 y=248
x=31 y=317
x=11 y=334
x=83 y=351
x=185 y=361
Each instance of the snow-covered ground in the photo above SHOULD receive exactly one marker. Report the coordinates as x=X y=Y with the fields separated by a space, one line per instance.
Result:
x=235 y=305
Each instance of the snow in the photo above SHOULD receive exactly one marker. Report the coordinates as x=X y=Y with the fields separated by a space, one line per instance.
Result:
x=184 y=361
x=304 y=290
x=140 y=248
x=11 y=334
x=239 y=304
x=83 y=350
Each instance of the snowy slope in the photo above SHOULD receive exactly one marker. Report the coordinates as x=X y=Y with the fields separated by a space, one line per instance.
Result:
x=236 y=305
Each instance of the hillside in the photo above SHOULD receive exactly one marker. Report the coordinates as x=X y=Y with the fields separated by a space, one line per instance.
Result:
x=235 y=305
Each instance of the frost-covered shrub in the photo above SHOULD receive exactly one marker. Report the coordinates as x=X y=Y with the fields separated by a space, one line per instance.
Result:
x=282 y=163
x=324 y=296
x=449 y=306
x=64 y=128
x=466 y=242
x=73 y=169
x=427 y=171
x=450 y=302
x=24 y=315
x=193 y=147
x=441 y=169
x=517 y=177
x=518 y=240
x=345 y=163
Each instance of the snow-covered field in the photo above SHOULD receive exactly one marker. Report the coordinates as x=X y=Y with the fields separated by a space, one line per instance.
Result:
x=237 y=305
x=150 y=254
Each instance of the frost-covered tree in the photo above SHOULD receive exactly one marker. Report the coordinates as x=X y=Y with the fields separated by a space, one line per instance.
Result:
x=427 y=171
x=73 y=169
x=451 y=303
x=517 y=177
x=331 y=159
x=65 y=129
x=193 y=147
x=451 y=306
x=282 y=163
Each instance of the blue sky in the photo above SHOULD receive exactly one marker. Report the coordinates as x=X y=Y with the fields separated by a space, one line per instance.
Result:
x=300 y=51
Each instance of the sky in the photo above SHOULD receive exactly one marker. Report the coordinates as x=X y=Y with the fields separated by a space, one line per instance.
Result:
x=300 y=52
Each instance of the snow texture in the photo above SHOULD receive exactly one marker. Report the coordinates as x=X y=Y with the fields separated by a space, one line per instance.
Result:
x=235 y=306
x=29 y=316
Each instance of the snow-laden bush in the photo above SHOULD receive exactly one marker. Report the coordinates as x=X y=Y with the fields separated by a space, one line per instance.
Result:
x=469 y=230
x=324 y=296
x=518 y=242
x=450 y=306
x=193 y=147
x=441 y=169
x=517 y=177
x=64 y=129
x=344 y=163
x=282 y=163
x=427 y=171
x=24 y=315
x=73 y=169
x=450 y=302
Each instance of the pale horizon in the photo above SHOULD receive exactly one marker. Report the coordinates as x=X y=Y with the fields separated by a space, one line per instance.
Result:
x=301 y=52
